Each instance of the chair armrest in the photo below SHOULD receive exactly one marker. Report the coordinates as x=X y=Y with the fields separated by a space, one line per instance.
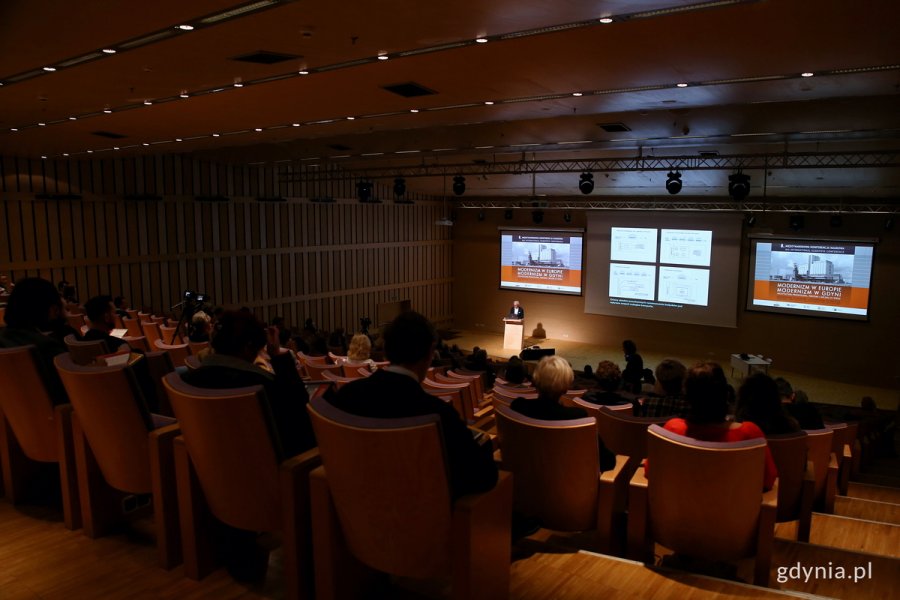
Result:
x=616 y=473
x=612 y=495
x=637 y=516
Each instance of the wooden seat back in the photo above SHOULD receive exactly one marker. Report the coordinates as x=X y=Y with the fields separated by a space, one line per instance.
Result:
x=134 y=327
x=477 y=379
x=789 y=453
x=339 y=381
x=75 y=321
x=378 y=485
x=192 y=362
x=555 y=466
x=704 y=497
x=137 y=343
x=229 y=437
x=178 y=352
x=354 y=370
x=622 y=433
x=316 y=371
x=818 y=450
x=466 y=392
x=114 y=417
x=84 y=353
x=152 y=333
x=197 y=347
x=26 y=403
x=169 y=333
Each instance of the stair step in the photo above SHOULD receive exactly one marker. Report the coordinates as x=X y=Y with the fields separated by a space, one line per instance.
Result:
x=855 y=535
x=883 y=480
x=874 y=492
x=870 y=510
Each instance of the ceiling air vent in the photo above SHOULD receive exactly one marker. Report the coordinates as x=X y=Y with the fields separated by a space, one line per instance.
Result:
x=264 y=57
x=410 y=89
x=614 y=127
x=109 y=135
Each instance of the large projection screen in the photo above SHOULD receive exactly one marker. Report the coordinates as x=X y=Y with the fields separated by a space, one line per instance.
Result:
x=811 y=276
x=681 y=268
x=541 y=260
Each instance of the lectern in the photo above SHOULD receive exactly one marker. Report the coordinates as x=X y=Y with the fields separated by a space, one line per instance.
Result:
x=513 y=334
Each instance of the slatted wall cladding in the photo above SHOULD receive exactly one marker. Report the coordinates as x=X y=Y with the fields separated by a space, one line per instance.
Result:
x=333 y=262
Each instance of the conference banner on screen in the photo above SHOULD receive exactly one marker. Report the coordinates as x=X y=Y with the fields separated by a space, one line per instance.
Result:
x=812 y=276
x=541 y=260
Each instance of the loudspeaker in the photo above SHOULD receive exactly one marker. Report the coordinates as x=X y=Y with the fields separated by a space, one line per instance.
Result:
x=536 y=353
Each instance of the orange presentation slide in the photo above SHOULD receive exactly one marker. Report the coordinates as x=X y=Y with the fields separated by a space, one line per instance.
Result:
x=811 y=293
x=533 y=274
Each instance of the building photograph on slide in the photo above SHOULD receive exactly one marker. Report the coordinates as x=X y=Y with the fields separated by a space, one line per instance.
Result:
x=818 y=277
x=541 y=260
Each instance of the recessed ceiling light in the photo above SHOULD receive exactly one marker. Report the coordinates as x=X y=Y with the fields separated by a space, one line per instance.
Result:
x=148 y=102
x=577 y=94
x=184 y=95
x=177 y=139
x=489 y=102
x=258 y=129
x=14 y=129
x=73 y=118
x=681 y=85
x=90 y=151
x=383 y=57
x=215 y=135
x=238 y=84
x=1 y=84
x=606 y=20
x=303 y=72
x=115 y=147
x=807 y=74
x=351 y=118
x=481 y=40
x=44 y=157
x=414 y=110
x=145 y=144
x=107 y=110
x=295 y=124
x=49 y=69
x=109 y=51
x=65 y=153
x=42 y=124
x=186 y=27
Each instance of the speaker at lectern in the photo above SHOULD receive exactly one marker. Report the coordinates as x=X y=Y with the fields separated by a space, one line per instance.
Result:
x=513 y=334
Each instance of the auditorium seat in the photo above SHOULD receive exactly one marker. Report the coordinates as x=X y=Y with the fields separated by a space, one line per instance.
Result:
x=177 y=352
x=133 y=326
x=467 y=407
x=842 y=447
x=229 y=466
x=138 y=343
x=818 y=448
x=192 y=362
x=75 y=321
x=33 y=429
x=84 y=353
x=703 y=500
x=316 y=371
x=477 y=379
x=796 y=480
x=170 y=335
x=337 y=380
x=380 y=508
x=121 y=450
x=556 y=470
x=152 y=333
x=197 y=347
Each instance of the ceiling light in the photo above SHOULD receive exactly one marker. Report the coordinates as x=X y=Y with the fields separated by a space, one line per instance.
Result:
x=49 y=69
x=414 y=110
x=481 y=40
x=567 y=217
x=303 y=72
x=177 y=139
x=383 y=57
x=673 y=183
x=215 y=135
x=295 y=124
x=577 y=94
x=459 y=185
x=115 y=147
x=90 y=151
x=42 y=124
x=65 y=153
x=489 y=102
x=73 y=118
x=807 y=74
x=681 y=85
x=586 y=183
x=351 y=118
x=183 y=94
x=14 y=129
x=238 y=84
x=606 y=20
x=44 y=157
x=148 y=102
x=738 y=186
x=107 y=111
x=186 y=27
x=258 y=129
x=109 y=51
x=145 y=144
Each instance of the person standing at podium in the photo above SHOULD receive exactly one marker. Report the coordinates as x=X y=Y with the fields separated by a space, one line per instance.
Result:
x=516 y=311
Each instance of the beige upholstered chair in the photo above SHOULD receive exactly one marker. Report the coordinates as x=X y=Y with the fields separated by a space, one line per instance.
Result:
x=796 y=480
x=703 y=499
x=33 y=429
x=120 y=449
x=818 y=450
x=229 y=465
x=377 y=505
x=84 y=353
x=556 y=466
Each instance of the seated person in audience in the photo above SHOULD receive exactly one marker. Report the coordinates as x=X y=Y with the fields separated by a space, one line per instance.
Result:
x=706 y=390
x=35 y=307
x=395 y=392
x=648 y=381
x=101 y=314
x=478 y=361
x=552 y=378
x=69 y=293
x=239 y=338
x=584 y=379
x=609 y=383
x=806 y=414
x=6 y=286
x=358 y=353
x=120 y=304
x=201 y=326
x=667 y=398
x=515 y=373
x=759 y=403
x=634 y=367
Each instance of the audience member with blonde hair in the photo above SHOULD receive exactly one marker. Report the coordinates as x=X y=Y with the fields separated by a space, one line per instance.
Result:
x=552 y=378
x=358 y=352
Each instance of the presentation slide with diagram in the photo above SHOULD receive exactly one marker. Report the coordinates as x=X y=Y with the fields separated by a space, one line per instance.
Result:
x=635 y=244
x=637 y=282
x=685 y=247
x=686 y=286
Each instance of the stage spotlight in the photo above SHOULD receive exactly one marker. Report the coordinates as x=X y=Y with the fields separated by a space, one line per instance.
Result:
x=507 y=214
x=673 y=183
x=750 y=220
x=567 y=217
x=837 y=220
x=364 y=190
x=796 y=222
x=537 y=216
x=586 y=183
x=738 y=186
x=399 y=186
x=481 y=215
x=889 y=223
x=459 y=185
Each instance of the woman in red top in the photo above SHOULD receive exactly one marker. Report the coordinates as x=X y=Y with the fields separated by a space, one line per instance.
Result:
x=706 y=391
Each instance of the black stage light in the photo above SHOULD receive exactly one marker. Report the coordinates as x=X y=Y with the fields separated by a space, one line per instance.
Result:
x=567 y=217
x=364 y=190
x=481 y=215
x=889 y=223
x=673 y=183
x=586 y=183
x=537 y=216
x=837 y=220
x=796 y=222
x=507 y=214
x=738 y=186
x=399 y=186
x=750 y=220
x=459 y=185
